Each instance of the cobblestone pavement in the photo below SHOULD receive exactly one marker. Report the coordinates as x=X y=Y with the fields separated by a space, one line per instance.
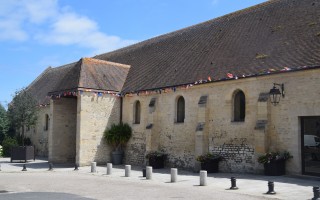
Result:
x=65 y=183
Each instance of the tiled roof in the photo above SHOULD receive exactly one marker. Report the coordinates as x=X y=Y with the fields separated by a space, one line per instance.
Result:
x=271 y=35
x=87 y=73
x=103 y=75
x=47 y=81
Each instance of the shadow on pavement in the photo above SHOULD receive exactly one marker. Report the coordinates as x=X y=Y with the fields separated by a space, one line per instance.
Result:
x=41 y=195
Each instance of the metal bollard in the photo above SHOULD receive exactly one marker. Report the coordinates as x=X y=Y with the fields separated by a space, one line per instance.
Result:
x=127 y=171
x=316 y=193
x=109 y=168
x=24 y=168
x=144 y=172
x=76 y=167
x=149 y=172
x=50 y=167
x=233 y=183
x=93 y=167
x=271 y=188
x=174 y=175
x=203 y=178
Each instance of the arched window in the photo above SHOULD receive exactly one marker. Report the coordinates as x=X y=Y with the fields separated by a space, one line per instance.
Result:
x=137 y=112
x=47 y=122
x=180 y=110
x=239 y=106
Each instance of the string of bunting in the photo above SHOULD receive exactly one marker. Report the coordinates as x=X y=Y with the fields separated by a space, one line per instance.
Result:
x=78 y=92
x=229 y=76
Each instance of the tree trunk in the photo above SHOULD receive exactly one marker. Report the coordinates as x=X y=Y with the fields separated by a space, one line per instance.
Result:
x=22 y=135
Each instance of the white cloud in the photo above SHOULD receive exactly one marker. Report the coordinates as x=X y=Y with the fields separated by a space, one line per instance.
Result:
x=214 y=2
x=11 y=30
x=40 y=11
x=54 y=25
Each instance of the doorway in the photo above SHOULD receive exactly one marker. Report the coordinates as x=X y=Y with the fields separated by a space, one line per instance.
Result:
x=310 y=145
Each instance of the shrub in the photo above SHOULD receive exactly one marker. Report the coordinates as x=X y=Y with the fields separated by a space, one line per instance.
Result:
x=23 y=141
x=274 y=156
x=208 y=157
x=7 y=144
x=156 y=154
x=118 y=135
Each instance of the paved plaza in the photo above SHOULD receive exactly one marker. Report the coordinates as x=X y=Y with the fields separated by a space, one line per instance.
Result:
x=65 y=183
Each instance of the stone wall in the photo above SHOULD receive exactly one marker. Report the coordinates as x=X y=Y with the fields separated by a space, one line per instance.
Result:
x=266 y=127
x=38 y=134
x=62 y=134
x=95 y=114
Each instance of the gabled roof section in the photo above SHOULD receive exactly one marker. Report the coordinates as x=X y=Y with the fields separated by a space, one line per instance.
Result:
x=87 y=73
x=102 y=75
x=94 y=74
x=270 y=36
x=47 y=81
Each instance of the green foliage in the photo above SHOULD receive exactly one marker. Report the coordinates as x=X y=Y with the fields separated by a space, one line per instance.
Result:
x=7 y=144
x=23 y=141
x=274 y=156
x=4 y=123
x=156 y=154
x=23 y=110
x=118 y=135
x=208 y=157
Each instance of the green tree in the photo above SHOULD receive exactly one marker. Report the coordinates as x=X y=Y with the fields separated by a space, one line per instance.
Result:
x=4 y=123
x=22 y=111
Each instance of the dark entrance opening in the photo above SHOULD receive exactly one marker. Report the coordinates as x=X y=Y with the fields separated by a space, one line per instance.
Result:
x=310 y=145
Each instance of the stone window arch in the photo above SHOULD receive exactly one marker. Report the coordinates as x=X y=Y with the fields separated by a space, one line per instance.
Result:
x=239 y=106
x=180 y=115
x=137 y=112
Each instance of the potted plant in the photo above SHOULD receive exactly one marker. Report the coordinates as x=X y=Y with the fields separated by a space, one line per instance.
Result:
x=156 y=159
x=117 y=136
x=210 y=162
x=274 y=162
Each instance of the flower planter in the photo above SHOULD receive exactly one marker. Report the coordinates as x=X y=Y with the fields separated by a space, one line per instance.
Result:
x=157 y=162
x=116 y=157
x=211 y=166
x=22 y=153
x=275 y=168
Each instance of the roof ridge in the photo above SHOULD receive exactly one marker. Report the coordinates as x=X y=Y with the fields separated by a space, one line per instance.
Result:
x=107 y=62
x=39 y=77
x=80 y=62
x=65 y=65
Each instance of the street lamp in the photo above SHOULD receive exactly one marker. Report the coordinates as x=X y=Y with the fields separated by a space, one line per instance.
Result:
x=276 y=93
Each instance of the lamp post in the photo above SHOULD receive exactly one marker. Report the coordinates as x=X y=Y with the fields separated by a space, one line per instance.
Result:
x=276 y=93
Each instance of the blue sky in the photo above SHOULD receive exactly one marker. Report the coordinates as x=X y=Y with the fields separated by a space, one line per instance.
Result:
x=35 y=34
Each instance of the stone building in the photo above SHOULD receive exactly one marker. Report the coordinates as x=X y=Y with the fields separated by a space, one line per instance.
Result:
x=201 y=89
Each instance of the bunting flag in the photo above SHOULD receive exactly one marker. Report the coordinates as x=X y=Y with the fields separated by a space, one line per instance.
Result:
x=286 y=69
x=229 y=75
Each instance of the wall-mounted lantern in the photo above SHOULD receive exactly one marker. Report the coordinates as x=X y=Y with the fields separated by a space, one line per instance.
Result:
x=276 y=92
